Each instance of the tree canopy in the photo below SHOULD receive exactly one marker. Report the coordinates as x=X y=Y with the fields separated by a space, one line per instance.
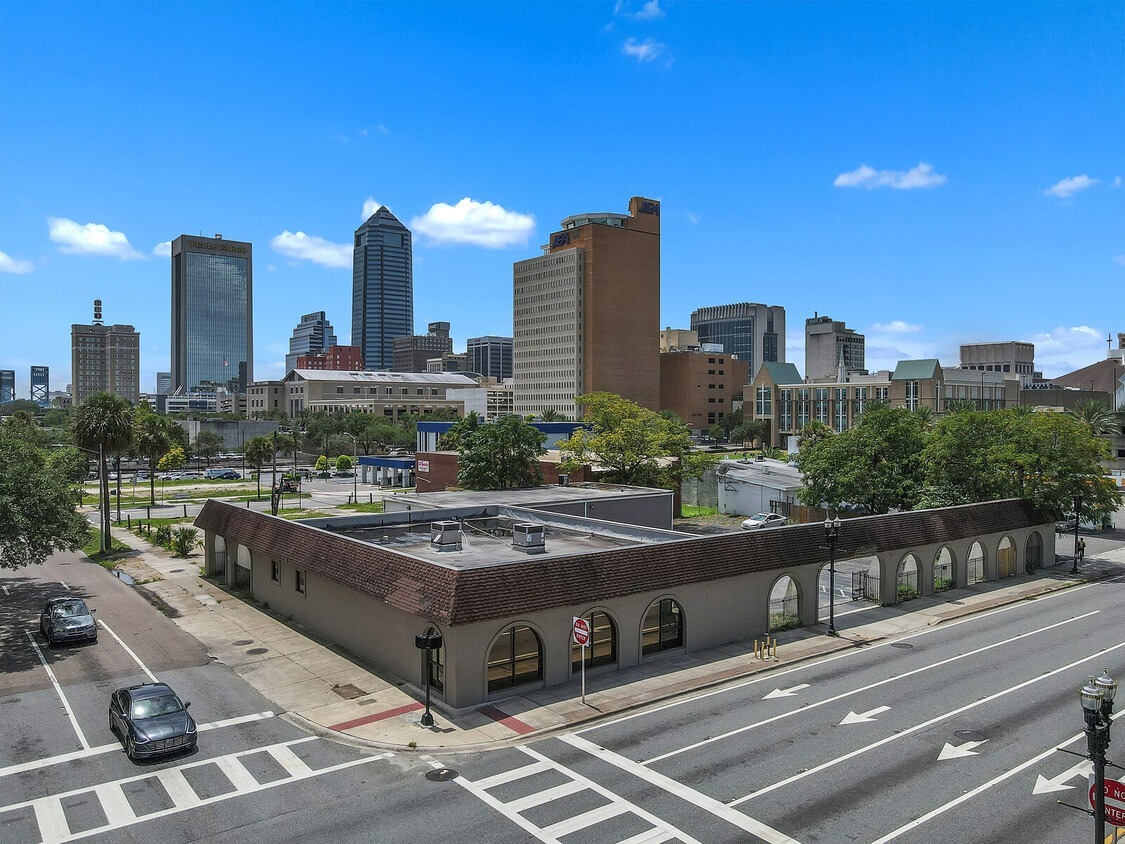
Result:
x=38 y=498
x=637 y=446
x=499 y=455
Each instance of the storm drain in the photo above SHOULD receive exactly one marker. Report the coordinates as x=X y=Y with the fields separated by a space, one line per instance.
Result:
x=970 y=735
x=441 y=775
x=349 y=692
x=902 y=645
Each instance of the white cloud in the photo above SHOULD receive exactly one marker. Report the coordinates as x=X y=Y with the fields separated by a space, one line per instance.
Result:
x=1070 y=186
x=163 y=249
x=370 y=206
x=90 y=239
x=1065 y=349
x=478 y=223
x=650 y=10
x=643 y=51
x=8 y=264
x=316 y=249
x=864 y=176
x=896 y=327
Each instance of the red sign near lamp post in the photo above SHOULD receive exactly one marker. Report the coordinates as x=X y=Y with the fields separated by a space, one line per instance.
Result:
x=1114 y=801
x=581 y=633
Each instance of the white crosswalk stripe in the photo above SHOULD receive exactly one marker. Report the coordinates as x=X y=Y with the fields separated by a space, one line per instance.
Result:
x=658 y=832
x=55 y=829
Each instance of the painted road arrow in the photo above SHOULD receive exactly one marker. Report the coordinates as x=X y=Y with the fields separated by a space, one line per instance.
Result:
x=1045 y=786
x=959 y=751
x=862 y=717
x=786 y=692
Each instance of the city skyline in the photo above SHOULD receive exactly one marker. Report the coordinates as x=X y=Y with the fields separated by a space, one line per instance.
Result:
x=929 y=174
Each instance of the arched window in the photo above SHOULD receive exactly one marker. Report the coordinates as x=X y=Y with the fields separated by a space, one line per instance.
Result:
x=975 y=565
x=907 y=588
x=944 y=577
x=784 y=604
x=516 y=658
x=1033 y=551
x=663 y=627
x=602 y=649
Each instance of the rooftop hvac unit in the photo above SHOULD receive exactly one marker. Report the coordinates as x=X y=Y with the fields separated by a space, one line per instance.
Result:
x=528 y=538
x=445 y=536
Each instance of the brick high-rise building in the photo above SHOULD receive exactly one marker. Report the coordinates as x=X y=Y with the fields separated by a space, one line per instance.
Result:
x=334 y=359
x=104 y=359
x=586 y=314
x=412 y=353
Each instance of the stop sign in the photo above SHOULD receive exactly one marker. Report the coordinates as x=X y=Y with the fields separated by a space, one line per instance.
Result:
x=1114 y=801
x=581 y=631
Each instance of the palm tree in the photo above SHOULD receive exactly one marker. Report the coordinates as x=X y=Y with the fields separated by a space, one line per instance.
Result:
x=552 y=415
x=926 y=414
x=1099 y=419
x=259 y=452
x=152 y=438
x=104 y=423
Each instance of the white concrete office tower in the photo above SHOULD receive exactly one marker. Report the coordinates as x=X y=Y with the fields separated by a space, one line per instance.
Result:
x=1010 y=356
x=829 y=346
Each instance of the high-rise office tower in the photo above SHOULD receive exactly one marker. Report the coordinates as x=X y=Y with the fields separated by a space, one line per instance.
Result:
x=490 y=356
x=313 y=334
x=412 y=353
x=382 y=288
x=41 y=385
x=212 y=315
x=586 y=314
x=751 y=332
x=7 y=385
x=163 y=383
x=104 y=359
x=830 y=346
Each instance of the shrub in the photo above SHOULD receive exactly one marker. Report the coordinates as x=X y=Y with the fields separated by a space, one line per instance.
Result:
x=164 y=535
x=184 y=540
x=907 y=593
x=784 y=621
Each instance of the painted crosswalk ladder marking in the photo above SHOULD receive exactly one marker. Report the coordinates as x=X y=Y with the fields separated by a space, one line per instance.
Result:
x=660 y=831
x=54 y=827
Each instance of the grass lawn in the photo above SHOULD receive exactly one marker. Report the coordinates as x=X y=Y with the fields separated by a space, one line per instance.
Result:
x=373 y=507
x=92 y=549
x=294 y=513
x=690 y=512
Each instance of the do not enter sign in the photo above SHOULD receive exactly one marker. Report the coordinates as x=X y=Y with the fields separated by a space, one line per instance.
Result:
x=581 y=632
x=1114 y=801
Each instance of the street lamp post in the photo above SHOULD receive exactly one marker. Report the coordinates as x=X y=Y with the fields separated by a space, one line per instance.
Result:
x=1097 y=708
x=427 y=642
x=355 y=466
x=1077 y=519
x=832 y=536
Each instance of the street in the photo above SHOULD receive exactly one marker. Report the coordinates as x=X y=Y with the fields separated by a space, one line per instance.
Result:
x=967 y=731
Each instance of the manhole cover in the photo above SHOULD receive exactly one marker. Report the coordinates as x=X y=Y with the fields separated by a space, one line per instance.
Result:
x=970 y=735
x=175 y=571
x=441 y=775
x=349 y=692
x=241 y=642
x=902 y=645
x=258 y=651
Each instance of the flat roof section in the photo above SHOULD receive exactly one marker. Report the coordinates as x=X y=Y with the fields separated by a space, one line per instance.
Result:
x=527 y=497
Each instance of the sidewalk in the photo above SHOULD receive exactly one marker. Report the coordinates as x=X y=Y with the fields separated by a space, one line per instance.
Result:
x=334 y=694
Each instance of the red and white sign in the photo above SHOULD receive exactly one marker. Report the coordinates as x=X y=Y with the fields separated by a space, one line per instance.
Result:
x=581 y=632
x=1114 y=801
x=423 y=466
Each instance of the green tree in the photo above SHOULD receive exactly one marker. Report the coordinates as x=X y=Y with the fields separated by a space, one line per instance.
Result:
x=322 y=463
x=259 y=452
x=152 y=439
x=38 y=500
x=500 y=455
x=875 y=465
x=173 y=458
x=552 y=415
x=635 y=445
x=1097 y=417
x=343 y=463
x=455 y=437
x=207 y=444
x=104 y=424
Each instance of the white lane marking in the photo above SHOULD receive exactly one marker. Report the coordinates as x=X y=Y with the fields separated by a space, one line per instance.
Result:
x=960 y=751
x=177 y=787
x=51 y=819
x=58 y=689
x=571 y=825
x=790 y=692
x=129 y=651
x=1046 y=786
x=652 y=836
x=968 y=795
x=239 y=777
x=5 y=588
x=522 y=804
x=707 y=804
x=64 y=586
x=864 y=717
x=35 y=764
x=513 y=775
x=116 y=806
x=804 y=666
x=924 y=725
x=293 y=764
x=885 y=681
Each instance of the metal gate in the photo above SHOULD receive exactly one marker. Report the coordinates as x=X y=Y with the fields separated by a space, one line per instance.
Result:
x=859 y=585
x=943 y=577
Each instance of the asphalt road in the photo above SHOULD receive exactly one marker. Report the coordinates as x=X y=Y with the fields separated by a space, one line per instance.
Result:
x=950 y=735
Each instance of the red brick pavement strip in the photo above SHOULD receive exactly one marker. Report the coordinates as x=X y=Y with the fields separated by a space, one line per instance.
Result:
x=511 y=722
x=377 y=716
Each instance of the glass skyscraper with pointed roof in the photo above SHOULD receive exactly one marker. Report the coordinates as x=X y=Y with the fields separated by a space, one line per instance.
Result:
x=382 y=288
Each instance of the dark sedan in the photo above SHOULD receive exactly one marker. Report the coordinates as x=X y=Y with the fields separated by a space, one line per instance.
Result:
x=151 y=720
x=67 y=620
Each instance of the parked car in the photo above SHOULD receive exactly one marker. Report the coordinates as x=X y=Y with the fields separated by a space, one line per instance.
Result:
x=141 y=475
x=289 y=485
x=190 y=475
x=764 y=520
x=151 y=720
x=1068 y=523
x=67 y=620
x=222 y=474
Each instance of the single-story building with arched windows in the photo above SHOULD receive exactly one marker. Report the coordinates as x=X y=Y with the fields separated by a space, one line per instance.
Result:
x=502 y=583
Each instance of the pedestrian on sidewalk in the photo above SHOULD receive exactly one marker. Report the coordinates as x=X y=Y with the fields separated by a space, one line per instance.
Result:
x=1081 y=549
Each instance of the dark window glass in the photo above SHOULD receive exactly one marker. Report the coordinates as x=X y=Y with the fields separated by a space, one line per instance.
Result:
x=663 y=628
x=275 y=571
x=516 y=658
x=602 y=649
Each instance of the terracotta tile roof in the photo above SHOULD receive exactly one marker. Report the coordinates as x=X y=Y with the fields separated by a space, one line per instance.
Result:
x=461 y=597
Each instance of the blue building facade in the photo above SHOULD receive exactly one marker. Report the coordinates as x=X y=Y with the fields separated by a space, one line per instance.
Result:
x=313 y=334
x=382 y=288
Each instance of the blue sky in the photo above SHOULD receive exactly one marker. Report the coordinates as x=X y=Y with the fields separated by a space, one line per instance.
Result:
x=931 y=174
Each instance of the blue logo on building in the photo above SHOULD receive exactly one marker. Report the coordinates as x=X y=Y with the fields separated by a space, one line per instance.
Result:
x=560 y=239
x=649 y=207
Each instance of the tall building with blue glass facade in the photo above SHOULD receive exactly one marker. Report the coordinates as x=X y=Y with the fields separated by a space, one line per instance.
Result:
x=753 y=333
x=313 y=334
x=212 y=315
x=382 y=288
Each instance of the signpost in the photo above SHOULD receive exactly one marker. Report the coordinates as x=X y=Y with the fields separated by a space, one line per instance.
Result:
x=581 y=634
x=1114 y=801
